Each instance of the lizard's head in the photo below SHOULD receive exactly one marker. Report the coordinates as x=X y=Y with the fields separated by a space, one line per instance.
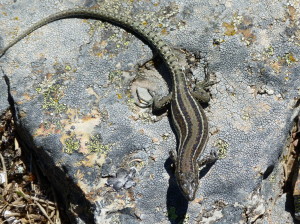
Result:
x=188 y=183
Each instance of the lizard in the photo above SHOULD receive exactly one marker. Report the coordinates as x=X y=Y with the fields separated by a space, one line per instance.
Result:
x=188 y=116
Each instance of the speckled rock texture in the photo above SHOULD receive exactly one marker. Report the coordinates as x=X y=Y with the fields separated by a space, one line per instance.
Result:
x=73 y=87
x=4 y=104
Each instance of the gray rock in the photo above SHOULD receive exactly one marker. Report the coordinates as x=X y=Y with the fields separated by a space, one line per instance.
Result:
x=4 y=104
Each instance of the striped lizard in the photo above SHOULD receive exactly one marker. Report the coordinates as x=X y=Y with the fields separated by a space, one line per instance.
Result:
x=188 y=116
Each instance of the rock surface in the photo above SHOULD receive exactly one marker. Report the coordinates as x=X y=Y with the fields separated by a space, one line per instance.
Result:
x=73 y=85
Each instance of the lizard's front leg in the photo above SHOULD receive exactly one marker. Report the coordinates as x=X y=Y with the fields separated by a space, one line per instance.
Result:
x=200 y=92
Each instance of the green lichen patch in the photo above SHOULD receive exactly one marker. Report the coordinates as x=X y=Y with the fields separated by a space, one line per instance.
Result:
x=52 y=98
x=71 y=144
x=279 y=62
x=269 y=51
x=288 y=58
x=111 y=42
x=222 y=148
x=68 y=68
x=117 y=78
x=95 y=145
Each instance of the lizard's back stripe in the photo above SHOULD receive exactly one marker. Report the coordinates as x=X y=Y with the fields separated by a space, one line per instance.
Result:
x=191 y=127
